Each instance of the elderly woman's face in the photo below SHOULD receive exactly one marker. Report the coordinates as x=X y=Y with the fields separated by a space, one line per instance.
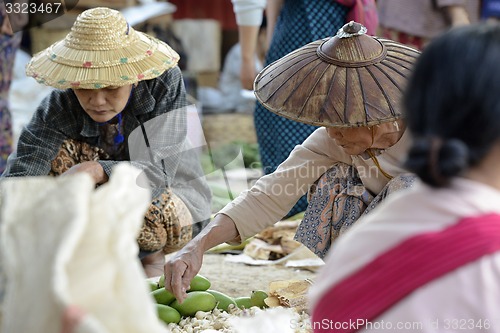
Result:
x=103 y=104
x=353 y=141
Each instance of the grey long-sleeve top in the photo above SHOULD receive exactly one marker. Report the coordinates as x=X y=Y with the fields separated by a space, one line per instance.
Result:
x=158 y=105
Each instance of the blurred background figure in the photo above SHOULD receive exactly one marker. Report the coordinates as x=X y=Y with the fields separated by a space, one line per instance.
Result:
x=230 y=95
x=290 y=25
x=9 y=43
x=416 y=22
x=490 y=10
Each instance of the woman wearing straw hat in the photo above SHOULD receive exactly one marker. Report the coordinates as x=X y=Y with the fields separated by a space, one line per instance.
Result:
x=428 y=259
x=350 y=85
x=120 y=98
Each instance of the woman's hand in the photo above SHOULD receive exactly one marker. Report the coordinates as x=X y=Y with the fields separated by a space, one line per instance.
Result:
x=186 y=263
x=248 y=73
x=182 y=268
x=94 y=169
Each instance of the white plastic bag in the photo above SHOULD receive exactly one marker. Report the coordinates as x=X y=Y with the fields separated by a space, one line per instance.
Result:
x=66 y=246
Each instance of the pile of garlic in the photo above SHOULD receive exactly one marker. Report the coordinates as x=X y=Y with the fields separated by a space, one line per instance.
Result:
x=222 y=321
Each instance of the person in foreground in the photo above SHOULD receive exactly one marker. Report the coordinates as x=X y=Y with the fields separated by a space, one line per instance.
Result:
x=349 y=165
x=120 y=97
x=429 y=258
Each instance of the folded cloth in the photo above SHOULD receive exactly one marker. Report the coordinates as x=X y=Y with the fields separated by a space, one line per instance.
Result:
x=66 y=246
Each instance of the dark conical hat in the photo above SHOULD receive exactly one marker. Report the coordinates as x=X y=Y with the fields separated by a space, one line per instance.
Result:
x=348 y=80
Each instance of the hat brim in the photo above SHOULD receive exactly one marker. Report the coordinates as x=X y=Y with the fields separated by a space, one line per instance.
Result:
x=64 y=67
x=303 y=87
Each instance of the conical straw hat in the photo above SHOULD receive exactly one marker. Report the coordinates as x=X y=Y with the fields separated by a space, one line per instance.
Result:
x=101 y=50
x=348 y=80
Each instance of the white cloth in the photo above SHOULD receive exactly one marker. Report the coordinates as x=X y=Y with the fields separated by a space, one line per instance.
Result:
x=65 y=244
x=249 y=12
x=470 y=294
x=274 y=195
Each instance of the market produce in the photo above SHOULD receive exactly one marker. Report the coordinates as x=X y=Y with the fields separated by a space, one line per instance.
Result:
x=222 y=321
x=243 y=302
x=257 y=298
x=213 y=310
x=195 y=301
x=199 y=283
x=228 y=248
x=201 y=298
x=161 y=281
x=163 y=296
x=152 y=285
x=168 y=314
x=223 y=300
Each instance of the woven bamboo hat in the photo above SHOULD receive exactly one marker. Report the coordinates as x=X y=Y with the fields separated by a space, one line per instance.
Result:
x=348 y=80
x=101 y=50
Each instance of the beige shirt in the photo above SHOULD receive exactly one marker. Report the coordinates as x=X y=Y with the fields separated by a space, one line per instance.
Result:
x=469 y=294
x=420 y=17
x=274 y=195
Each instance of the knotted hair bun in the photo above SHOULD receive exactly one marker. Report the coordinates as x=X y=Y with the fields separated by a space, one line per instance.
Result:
x=436 y=161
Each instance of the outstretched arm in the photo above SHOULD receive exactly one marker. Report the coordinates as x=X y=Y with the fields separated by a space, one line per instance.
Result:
x=180 y=270
x=248 y=41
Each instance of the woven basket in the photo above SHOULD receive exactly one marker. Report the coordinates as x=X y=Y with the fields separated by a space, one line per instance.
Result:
x=225 y=128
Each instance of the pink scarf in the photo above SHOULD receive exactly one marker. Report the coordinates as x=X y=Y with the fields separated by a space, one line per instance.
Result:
x=396 y=273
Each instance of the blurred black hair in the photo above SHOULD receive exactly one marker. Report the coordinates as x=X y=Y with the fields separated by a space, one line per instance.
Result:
x=452 y=102
x=263 y=25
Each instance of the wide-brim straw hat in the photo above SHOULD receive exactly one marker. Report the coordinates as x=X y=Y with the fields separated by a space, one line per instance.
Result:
x=348 y=80
x=101 y=50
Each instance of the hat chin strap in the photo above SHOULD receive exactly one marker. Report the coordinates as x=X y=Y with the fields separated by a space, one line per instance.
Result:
x=386 y=138
x=372 y=128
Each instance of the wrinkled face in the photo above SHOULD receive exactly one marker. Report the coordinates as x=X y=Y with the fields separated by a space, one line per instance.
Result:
x=353 y=141
x=103 y=104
